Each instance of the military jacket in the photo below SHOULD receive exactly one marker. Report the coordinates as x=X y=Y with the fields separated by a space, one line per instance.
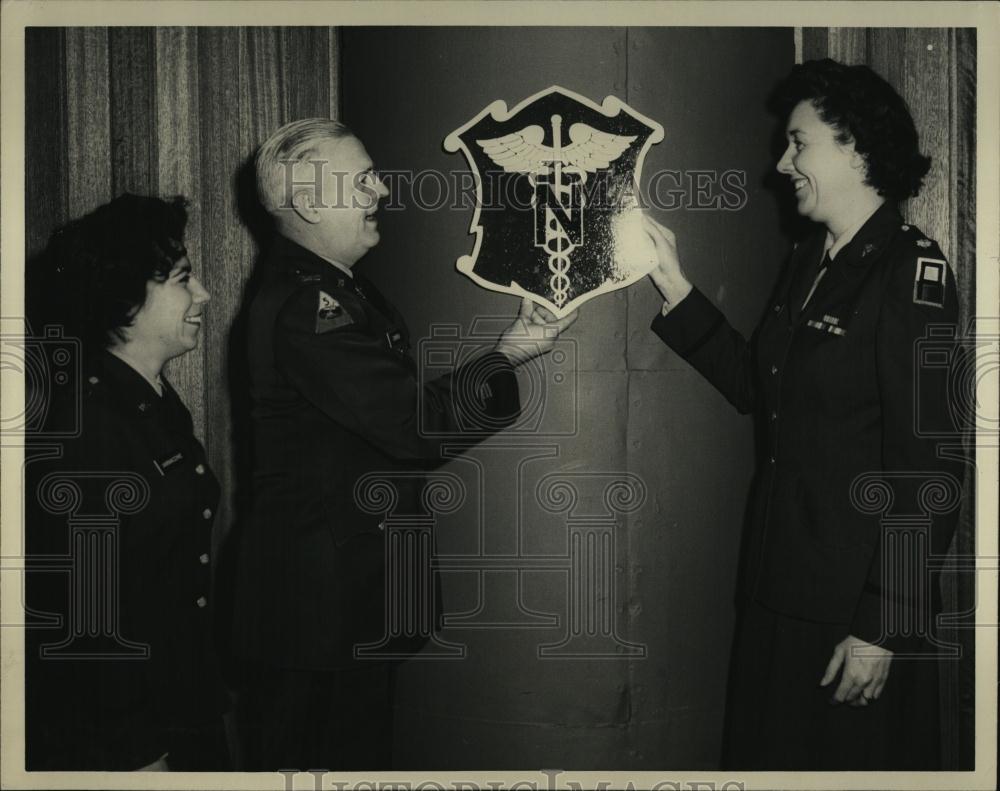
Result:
x=843 y=401
x=119 y=536
x=336 y=395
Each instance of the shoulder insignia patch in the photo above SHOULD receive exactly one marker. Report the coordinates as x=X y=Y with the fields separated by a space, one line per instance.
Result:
x=330 y=314
x=928 y=282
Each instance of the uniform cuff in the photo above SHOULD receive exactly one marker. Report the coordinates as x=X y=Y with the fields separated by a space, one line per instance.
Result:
x=501 y=393
x=690 y=323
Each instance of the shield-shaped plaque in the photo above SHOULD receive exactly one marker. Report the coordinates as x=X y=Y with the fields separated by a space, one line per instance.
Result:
x=557 y=217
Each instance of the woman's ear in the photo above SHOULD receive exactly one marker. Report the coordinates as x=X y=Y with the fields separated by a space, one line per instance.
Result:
x=858 y=160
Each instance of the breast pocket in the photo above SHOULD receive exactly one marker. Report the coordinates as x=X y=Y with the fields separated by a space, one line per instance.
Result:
x=830 y=353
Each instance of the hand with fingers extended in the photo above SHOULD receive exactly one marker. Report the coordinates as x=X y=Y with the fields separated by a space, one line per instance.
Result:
x=864 y=669
x=533 y=333
x=668 y=276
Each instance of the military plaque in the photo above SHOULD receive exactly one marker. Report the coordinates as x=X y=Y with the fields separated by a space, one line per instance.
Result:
x=557 y=217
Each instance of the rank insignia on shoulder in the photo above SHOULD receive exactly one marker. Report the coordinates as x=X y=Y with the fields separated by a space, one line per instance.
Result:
x=925 y=243
x=928 y=283
x=330 y=314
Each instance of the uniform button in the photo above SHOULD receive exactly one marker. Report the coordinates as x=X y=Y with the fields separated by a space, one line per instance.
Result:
x=207 y=513
x=201 y=601
x=774 y=370
x=777 y=308
x=381 y=525
x=774 y=415
x=203 y=558
x=772 y=460
x=93 y=380
x=200 y=469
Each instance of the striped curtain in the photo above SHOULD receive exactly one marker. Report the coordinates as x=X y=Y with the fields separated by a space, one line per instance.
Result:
x=934 y=69
x=168 y=111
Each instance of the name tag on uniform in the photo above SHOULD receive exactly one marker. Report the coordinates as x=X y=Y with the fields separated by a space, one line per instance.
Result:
x=168 y=462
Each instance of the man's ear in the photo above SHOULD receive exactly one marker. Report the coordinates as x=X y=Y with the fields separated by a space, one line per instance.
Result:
x=303 y=205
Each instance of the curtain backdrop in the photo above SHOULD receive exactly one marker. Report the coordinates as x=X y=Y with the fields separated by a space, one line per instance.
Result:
x=935 y=71
x=174 y=111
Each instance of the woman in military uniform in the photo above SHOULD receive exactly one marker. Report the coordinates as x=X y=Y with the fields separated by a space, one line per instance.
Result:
x=121 y=673
x=830 y=668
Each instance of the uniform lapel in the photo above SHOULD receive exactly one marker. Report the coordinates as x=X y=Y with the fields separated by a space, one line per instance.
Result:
x=805 y=261
x=393 y=319
x=148 y=414
x=854 y=260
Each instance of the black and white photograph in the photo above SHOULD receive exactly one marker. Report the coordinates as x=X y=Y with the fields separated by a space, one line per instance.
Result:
x=488 y=395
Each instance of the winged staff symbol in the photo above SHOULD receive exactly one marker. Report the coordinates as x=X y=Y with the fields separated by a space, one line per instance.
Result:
x=523 y=152
x=558 y=203
x=578 y=233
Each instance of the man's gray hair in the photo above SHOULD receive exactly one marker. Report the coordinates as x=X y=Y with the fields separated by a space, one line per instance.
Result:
x=293 y=143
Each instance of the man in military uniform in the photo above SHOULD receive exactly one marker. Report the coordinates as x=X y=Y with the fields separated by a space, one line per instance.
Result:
x=336 y=395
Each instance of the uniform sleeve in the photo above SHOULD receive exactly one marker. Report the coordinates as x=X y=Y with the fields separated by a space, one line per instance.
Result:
x=699 y=333
x=920 y=293
x=353 y=376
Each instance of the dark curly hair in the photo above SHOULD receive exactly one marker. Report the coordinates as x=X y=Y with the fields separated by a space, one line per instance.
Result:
x=92 y=277
x=862 y=107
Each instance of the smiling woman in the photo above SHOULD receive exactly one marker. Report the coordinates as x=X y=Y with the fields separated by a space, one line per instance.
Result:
x=833 y=662
x=131 y=684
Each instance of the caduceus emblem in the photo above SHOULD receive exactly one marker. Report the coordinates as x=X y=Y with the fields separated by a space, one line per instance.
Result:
x=557 y=175
x=556 y=218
